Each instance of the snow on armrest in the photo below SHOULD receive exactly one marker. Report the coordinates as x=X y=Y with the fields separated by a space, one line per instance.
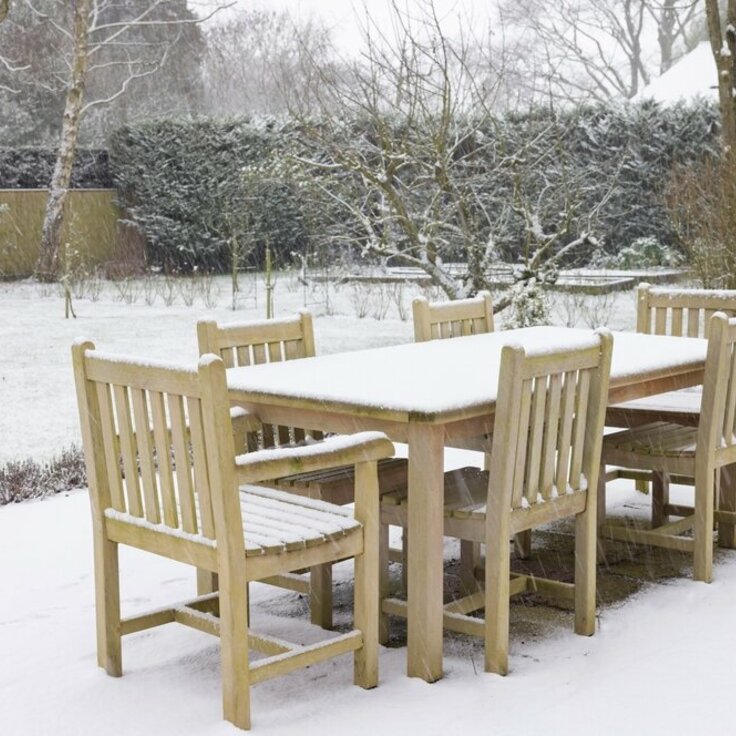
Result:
x=261 y=465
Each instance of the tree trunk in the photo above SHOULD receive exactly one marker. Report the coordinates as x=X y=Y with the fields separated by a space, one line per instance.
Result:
x=724 y=53
x=4 y=9
x=48 y=267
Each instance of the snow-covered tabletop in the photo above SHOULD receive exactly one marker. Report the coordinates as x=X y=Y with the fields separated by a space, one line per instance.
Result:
x=444 y=377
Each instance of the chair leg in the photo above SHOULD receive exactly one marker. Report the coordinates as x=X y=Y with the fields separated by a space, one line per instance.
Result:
x=107 y=605
x=234 y=654
x=320 y=595
x=404 y=561
x=523 y=544
x=367 y=583
x=207 y=582
x=383 y=584
x=497 y=573
x=703 y=532
x=469 y=561
x=586 y=543
x=660 y=498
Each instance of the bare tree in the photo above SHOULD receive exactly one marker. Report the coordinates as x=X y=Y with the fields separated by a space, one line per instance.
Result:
x=401 y=159
x=97 y=36
x=261 y=62
x=598 y=48
x=723 y=43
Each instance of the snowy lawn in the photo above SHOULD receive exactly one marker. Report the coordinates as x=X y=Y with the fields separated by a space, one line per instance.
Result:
x=661 y=663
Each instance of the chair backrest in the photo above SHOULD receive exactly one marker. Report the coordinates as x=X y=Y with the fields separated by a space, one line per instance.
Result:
x=437 y=320
x=717 y=424
x=158 y=443
x=253 y=343
x=548 y=426
x=680 y=312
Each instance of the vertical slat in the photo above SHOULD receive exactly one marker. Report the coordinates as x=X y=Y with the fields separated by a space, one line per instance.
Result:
x=677 y=321
x=145 y=455
x=163 y=458
x=466 y=327
x=111 y=446
x=693 y=319
x=522 y=439
x=706 y=321
x=291 y=350
x=536 y=436
x=182 y=464
x=445 y=330
x=243 y=355
x=274 y=352
x=227 y=357
x=199 y=461
x=643 y=312
x=565 y=436
x=259 y=354
x=660 y=321
x=435 y=332
x=552 y=421
x=479 y=326
x=581 y=419
x=127 y=447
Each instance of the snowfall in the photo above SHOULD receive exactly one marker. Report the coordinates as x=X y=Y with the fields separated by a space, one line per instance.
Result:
x=660 y=663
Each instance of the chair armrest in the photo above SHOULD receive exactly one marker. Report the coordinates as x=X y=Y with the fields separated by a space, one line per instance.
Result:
x=243 y=420
x=255 y=467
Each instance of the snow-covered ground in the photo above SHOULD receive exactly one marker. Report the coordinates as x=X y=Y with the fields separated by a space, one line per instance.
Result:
x=660 y=664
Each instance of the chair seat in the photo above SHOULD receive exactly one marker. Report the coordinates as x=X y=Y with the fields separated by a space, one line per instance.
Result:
x=678 y=407
x=337 y=485
x=275 y=522
x=655 y=439
x=466 y=491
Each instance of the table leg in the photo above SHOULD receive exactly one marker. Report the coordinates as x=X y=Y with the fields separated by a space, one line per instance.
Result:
x=424 y=633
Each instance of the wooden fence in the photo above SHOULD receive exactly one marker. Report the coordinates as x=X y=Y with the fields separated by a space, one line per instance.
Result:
x=92 y=233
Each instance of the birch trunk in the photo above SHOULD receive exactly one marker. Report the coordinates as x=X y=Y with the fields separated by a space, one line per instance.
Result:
x=48 y=268
x=723 y=45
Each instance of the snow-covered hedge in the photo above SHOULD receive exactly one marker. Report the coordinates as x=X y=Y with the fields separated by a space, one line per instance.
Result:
x=31 y=168
x=193 y=186
x=183 y=183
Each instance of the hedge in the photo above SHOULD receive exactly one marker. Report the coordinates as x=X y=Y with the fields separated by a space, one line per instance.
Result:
x=31 y=168
x=183 y=183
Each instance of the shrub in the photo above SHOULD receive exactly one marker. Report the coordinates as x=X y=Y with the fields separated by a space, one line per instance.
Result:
x=24 y=479
x=31 y=168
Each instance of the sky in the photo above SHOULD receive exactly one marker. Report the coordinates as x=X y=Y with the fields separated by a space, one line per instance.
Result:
x=344 y=16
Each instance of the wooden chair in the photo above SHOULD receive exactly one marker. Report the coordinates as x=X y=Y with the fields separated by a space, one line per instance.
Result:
x=438 y=321
x=680 y=313
x=272 y=341
x=164 y=477
x=548 y=429
x=691 y=452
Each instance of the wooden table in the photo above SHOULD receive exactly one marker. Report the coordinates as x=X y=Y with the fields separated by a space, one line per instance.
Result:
x=430 y=395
